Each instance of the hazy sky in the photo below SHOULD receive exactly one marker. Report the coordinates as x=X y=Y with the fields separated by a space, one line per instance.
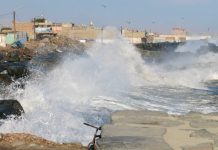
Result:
x=156 y=15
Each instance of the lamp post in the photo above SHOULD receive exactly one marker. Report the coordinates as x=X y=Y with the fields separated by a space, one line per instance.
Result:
x=102 y=34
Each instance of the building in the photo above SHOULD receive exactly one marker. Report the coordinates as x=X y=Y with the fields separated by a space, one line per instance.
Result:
x=3 y=39
x=36 y=28
x=18 y=36
x=133 y=36
x=82 y=32
x=57 y=28
x=6 y=30
x=197 y=38
x=179 y=31
x=27 y=27
x=178 y=35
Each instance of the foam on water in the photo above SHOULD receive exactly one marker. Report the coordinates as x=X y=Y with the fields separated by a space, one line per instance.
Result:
x=110 y=77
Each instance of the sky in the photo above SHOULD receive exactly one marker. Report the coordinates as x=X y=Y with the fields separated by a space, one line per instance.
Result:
x=197 y=16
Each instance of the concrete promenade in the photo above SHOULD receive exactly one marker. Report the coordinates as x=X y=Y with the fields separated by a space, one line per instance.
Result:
x=149 y=130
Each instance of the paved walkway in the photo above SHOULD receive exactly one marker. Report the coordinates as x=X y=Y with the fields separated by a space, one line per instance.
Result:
x=149 y=130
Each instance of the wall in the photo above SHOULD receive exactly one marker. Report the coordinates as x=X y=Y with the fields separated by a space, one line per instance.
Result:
x=3 y=40
x=26 y=27
x=133 y=34
x=79 y=33
x=21 y=36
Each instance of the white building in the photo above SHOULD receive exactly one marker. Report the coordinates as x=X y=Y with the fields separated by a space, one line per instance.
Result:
x=3 y=40
x=196 y=38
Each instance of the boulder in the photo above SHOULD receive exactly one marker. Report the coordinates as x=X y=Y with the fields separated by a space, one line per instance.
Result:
x=17 y=70
x=10 y=107
x=13 y=56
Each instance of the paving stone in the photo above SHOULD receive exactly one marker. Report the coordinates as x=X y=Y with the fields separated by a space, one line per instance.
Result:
x=132 y=143
x=204 y=124
x=147 y=120
x=212 y=114
x=113 y=131
x=145 y=130
x=144 y=118
x=203 y=146
x=216 y=142
x=203 y=133
x=191 y=116
x=129 y=113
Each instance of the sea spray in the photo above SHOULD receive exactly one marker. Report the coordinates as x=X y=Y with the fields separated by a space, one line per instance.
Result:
x=80 y=89
x=111 y=76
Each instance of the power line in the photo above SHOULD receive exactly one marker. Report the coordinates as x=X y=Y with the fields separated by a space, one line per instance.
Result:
x=6 y=14
x=11 y=12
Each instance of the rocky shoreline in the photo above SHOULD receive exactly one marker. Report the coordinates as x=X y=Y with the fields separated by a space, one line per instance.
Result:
x=152 y=130
x=21 y=141
x=14 y=62
x=14 y=65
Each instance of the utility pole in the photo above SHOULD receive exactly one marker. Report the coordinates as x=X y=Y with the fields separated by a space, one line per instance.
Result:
x=14 y=24
x=34 y=28
x=102 y=35
x=132 y=36
x=121 y=31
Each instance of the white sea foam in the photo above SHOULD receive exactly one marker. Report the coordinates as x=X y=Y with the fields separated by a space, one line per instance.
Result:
x=88 y=88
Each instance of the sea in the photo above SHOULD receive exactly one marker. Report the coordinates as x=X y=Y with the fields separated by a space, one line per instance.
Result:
x=112 y=76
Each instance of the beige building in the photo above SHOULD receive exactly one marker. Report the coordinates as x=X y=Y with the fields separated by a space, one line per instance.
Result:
x=26 y=27
x=81 y=32
x=134 y=36
x=179 y=31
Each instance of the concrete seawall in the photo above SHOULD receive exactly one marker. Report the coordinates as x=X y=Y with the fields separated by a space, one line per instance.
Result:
x=149 y=130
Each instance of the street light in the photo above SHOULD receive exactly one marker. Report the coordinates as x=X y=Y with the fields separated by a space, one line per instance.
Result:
x=102 y=34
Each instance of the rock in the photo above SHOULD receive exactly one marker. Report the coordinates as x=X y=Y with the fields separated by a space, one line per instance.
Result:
x=204 y=124
x=216 y=142
x=157 y=131
x=14 y=56
x=5 y=79
x=17 y=70
x=132 y=143
x=1 y=137
x=212 y=114
x=123 y=130
x=6 y=148
x=42 y=44
x=18 y=143
x=140 y=113
x=204 y=146
x=203 y=133
x=10 y=107
x=144 y=118
x=21 y=141
x=1 y=56
x=45 y=40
